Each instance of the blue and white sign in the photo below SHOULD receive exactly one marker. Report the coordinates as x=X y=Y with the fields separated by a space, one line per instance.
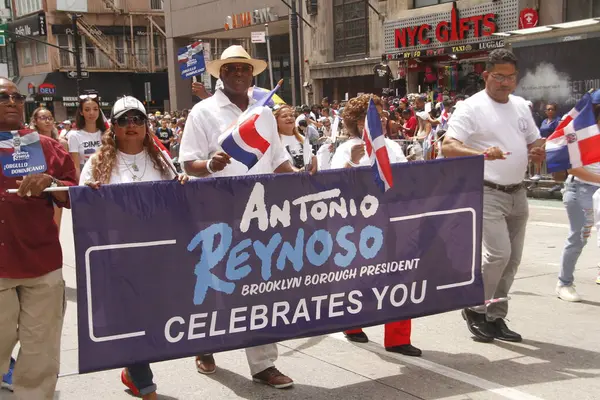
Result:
x=21 y=153
x=191 y=60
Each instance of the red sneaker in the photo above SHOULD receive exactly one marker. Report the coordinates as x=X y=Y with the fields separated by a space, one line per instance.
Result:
x=127 y=382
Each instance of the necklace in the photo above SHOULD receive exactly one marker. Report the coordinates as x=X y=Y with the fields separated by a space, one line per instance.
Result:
x=133 y=169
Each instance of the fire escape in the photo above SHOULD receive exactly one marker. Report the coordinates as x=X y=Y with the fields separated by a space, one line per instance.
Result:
x=116 y=57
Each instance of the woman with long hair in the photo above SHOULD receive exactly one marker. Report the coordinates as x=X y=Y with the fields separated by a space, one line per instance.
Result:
x=84 y=141
x=128 y=155
x=291 y=139
x=42 y=121
x=352 y=154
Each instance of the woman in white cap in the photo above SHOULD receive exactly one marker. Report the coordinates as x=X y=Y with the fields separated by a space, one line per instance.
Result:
x=128 y=155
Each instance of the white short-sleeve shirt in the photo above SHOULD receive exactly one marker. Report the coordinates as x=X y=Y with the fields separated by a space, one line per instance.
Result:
x=205 y=123
x=343 y=153
x=84 y=143
x=481 y=123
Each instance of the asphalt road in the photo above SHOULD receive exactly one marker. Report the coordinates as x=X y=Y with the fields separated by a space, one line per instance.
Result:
x=558 y=359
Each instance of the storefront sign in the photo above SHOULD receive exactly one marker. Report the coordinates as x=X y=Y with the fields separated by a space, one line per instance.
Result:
x=457 y=26
x=444 y=51
x=106 y=30
x=49 y=99
x=34 y=25
x=260 y=16
x=259 y=37
x=528 y=18
x=47 y=88
x=447 y=31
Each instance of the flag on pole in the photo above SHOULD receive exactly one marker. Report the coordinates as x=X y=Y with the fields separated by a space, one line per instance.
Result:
x=444 y=117
x=376 y=149
x=576 y=141
x=248 y=139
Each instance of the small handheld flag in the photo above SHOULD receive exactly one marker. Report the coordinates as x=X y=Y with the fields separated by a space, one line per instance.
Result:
x=376 y=149
x=576 y=141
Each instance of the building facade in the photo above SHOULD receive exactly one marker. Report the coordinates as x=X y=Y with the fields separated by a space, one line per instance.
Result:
x=428 y=44
x=123 y=50
x=221 y=24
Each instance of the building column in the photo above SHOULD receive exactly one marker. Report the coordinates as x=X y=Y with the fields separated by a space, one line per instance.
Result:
x=180 y=90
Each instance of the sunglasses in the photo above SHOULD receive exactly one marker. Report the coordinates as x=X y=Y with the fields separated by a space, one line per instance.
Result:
x=243 y=68
x=18 y=98
x=125 y=120
x=91 y=96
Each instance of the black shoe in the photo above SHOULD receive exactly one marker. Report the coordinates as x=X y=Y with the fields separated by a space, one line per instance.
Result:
x=357 y=337
x=503 y=333
x=478 y=326
x=405 y=349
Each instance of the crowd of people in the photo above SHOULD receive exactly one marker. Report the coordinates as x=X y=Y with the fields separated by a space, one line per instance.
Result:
x=95 y=151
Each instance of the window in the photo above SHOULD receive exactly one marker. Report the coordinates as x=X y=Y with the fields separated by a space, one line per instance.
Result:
x=351 y=37
x=426 y=3
x=582 y=9
x=66 y=59
x=141 y=49
x=120 y=48
x=27 y=6
x=41 y=53
x=160 y=51
x=26 y=53
x=156 y=4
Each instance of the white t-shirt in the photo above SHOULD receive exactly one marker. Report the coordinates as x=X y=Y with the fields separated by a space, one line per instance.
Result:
x=481 y=123
x=205 y=123
x=296 y=148
x=84 y=143
x=344 y=151
x=300 y=117
x=594 y=169
x=125 y=167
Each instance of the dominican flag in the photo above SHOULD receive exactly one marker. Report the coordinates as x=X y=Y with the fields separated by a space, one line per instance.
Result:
x=444 y=117
x=185 y=54
x=21 y=153
x=376 y=149
x=249 y=138
x=576 y=141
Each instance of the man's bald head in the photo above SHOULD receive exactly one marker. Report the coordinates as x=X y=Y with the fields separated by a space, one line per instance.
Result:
x=11 y=105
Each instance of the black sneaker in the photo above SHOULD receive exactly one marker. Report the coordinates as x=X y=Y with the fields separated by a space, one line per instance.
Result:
x=360 y=337
x=482 y=330
x=503 y=333
x=405 y=349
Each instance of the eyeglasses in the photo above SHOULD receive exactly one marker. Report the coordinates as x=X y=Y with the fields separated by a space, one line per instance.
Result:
x=125 y=120
x=243 y=68
x=550 y=109
x=18 y=98
x=502 y=78
x=90 y=96
x=45 y=119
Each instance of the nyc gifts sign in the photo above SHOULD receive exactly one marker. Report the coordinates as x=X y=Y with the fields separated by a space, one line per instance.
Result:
x=168 y=271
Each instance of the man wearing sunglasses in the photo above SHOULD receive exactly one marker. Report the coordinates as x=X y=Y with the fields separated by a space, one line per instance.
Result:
x=200 y=155
x=500 y=126
x=32 y=290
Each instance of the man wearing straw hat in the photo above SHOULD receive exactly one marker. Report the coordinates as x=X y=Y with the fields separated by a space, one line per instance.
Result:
x=32 y=289
x=201 y=157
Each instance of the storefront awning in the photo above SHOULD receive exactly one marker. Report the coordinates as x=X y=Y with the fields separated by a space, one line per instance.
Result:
x=24 y=81
x=567 y=31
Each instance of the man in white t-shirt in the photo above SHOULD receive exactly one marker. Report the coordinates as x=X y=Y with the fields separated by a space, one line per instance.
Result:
x=500 y=126
x=202 y=156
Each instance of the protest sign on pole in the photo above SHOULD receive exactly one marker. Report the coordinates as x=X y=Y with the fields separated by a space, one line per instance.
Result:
x=191 y=60
x=21 y=153
x=166 y=271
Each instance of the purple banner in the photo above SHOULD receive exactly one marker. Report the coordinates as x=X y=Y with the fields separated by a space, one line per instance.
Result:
x=166 y=271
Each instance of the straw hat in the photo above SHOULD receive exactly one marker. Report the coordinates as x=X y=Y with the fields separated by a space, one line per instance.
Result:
x=235 y=54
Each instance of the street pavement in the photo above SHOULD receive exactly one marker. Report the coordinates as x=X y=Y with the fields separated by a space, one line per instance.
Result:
x=558 y=359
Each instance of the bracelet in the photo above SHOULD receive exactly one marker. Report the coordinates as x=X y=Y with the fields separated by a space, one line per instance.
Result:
x=353 y=164
x=210 y=171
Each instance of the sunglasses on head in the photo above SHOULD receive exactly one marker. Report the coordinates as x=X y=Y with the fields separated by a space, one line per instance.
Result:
x=16 y=97
x=124 y=120
x=91 y=96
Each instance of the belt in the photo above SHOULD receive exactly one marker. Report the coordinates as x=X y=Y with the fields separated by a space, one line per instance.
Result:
x=504 y=188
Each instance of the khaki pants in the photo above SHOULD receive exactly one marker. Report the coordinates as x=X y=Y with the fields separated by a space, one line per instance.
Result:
x=504 y=222
x=32 y=312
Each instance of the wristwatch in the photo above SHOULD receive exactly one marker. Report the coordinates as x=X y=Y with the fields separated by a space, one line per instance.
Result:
x=54 y=183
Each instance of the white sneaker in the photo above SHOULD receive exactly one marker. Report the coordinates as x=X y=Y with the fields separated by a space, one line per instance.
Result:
x=536 y=178
x=567 y=293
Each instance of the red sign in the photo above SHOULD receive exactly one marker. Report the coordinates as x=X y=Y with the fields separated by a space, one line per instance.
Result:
x=448 y=31
x=528 y=18
x=47 y=88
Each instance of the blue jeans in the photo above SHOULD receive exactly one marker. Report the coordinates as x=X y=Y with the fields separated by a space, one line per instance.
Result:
x=141 y=376
x=580 y=210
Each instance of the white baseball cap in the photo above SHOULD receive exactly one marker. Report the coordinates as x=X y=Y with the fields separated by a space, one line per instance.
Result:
x=127 y=103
